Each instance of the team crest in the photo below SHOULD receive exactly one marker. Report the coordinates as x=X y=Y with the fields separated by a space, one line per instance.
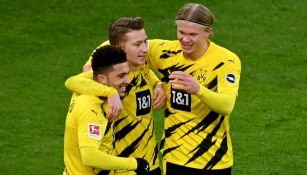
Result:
x=94 y=131
x=201 y=77
x=231 y=78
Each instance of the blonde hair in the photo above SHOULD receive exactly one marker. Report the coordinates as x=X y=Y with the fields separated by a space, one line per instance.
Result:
x=122 y=26
x=196 y=13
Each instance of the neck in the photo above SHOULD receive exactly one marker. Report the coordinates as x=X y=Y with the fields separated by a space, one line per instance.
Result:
x=132 y=68
x=194 y=56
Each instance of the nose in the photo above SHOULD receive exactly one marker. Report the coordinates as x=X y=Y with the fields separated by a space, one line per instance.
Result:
x=145 y=47
x=185 y=38
x=127 y=79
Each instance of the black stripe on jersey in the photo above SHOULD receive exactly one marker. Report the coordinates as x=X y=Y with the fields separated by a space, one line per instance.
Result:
x=167 y=71
x=152 y=134
x=102 y=111
x=212 y=84
x=218 y=66
x=165 y=74
x=211 y=117
x=156 y=154
x=219 y=154
x=167 y=113
x=104 y=172
x=132 y=147
x=205 y=145
x=116 y=123
x=143 y=81
x=169 y=131
x=108 y=128
x=169 y=53
x=166 y=151
x=132 y=83
x=162 y=143
x=231 y=61
x=126 y=130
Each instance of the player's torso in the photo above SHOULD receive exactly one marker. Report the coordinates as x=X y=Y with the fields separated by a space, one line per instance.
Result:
x=203 y=70
x=134 y=128
x=99 y=131
x=193 y=133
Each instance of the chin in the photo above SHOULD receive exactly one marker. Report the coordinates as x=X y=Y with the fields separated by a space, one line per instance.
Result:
x=142 y=62
x=187 y=51
x=121 y=94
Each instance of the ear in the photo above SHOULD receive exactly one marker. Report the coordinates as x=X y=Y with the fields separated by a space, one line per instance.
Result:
x=209 y=31
x=102 y=79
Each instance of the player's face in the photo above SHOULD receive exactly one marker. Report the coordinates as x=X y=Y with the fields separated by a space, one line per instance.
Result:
x=192 y=37
x=136 y=48
x=118 y=78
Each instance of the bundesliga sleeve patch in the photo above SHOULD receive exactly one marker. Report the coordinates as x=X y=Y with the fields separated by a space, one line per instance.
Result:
x=231 y=78
x=94 y=131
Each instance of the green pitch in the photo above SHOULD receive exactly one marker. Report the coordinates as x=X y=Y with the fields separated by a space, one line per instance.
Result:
x=44 y=42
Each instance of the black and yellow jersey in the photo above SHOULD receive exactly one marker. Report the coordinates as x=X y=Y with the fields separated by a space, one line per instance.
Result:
x=196 y=136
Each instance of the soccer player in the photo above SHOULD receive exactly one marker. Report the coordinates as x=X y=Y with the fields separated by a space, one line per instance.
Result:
x=88 y=139
x=134 y=127
x=201 y=80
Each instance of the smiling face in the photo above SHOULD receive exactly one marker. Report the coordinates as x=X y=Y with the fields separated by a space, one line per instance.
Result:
x=193 y=38
x=135 y=47
x=117 y=77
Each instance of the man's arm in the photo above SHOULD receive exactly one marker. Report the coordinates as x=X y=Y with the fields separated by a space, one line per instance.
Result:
x=84 y=84
x=217 y=102
x=92 y=157
x=222 y=103
x=159 y=93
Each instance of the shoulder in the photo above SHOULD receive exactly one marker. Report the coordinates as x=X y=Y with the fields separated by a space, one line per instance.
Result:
x=86 y=101
x=163 y=43
x=224 y=53
x=105 y=43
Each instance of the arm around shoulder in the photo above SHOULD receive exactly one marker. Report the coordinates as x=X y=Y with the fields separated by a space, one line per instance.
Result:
x=84 y=84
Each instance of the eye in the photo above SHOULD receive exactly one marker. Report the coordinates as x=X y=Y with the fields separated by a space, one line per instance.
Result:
x=137 y=44
x=182 y=33
x=122 y=75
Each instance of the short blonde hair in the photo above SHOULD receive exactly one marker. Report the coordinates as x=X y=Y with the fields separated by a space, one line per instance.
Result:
x=122 y=26
x=196 y=13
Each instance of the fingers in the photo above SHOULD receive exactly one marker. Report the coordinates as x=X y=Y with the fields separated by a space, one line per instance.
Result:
x=183 y=81
x=115 y=107
x=114 y=111
x=179 y=75
x=159 y=101
x=180 y=78
x=159 y=97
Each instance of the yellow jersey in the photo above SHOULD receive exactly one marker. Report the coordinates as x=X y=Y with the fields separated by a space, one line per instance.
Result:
x=196 y=136
x=86 y=126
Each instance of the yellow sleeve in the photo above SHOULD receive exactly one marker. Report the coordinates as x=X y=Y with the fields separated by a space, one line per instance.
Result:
x=223 y=101
x=84 y=84
x=89 y=144
x=94 y=158
x=89 y=61
x=219 y=103
x=152 y=54
x=153 y=79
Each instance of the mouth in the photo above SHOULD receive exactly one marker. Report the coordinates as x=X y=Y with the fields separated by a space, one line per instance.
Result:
x=186 y=46
x=142 y=57
x=123 y=88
